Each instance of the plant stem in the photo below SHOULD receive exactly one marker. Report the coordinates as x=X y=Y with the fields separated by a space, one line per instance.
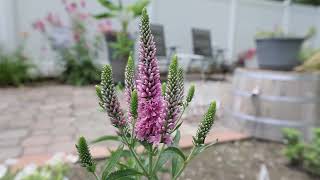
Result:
x=185 y=164
x=150 y=160
x=96 y=176
x=134 y=154
x=158 y=158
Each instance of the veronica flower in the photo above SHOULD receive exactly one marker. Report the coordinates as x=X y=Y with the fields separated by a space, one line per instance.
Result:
x=151 y=106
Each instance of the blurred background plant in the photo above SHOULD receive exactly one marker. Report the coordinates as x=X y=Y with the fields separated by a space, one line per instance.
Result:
x=120 y=43
x=304 y=155
x=14 y=66
x=76 y=47
x=55 y=168
x=125 y=14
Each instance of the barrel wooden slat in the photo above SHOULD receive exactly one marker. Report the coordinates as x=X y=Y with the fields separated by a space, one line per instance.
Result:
x=282 y=99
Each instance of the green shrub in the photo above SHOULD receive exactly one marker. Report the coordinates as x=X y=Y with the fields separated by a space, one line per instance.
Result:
x=300 y=153
x=312 y=154
x=13 y=68
x=294 y=146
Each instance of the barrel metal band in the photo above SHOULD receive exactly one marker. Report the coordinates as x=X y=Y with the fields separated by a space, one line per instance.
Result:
x=291 y=99
x=265 y=120
x=275 y=76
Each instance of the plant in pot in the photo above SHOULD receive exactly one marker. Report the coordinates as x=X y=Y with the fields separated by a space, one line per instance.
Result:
x=120 y=43
x=277 y=50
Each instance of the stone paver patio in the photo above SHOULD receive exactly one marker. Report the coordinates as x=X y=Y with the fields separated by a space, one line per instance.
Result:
x=48 y=119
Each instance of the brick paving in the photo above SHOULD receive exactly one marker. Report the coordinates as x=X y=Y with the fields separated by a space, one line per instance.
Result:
x=44 y=120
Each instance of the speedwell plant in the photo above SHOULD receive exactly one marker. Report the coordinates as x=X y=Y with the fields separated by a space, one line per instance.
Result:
x=152 y=121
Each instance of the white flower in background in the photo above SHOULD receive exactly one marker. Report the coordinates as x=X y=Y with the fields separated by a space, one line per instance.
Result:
x=10 y=162
x=27 y=171
x=45 y=174
x=65 y=178
x=3 y=170
x=56 y=159
x=71 y=158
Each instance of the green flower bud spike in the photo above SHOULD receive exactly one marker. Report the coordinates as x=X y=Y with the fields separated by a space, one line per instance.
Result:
x=205 y=125
x=134 y=104
x=163 y=88
x=129 y=78
x=85 y=157
x=190 y=93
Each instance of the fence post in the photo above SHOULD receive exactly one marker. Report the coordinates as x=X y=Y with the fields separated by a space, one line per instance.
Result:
x=286 y=16
x=7 y=24
x=232 y=29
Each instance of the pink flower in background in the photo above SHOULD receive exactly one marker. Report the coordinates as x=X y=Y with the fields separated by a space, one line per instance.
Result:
x=39 y=25
x=53 y=19
x=105 y=26
x=83 y=3
x=72 y=7
x=83 y=16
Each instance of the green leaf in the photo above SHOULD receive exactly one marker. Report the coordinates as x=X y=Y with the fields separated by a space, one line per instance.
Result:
x=108 y=4
x=176 y=138
x=112 y=161
x=120 y=174
x=104 y=15
x=106 y=138
x=165 y=157
x=138 y=7
x=176 y=165
x=177 y=151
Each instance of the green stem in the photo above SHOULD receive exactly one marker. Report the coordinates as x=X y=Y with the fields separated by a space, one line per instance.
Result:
x=178 y=120
x=96 y=176
x=157 y=159
x=150 y=160
x=184 y=164
x=134 y=154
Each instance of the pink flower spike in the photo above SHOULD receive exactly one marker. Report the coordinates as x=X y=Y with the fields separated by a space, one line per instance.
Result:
x=151 y=105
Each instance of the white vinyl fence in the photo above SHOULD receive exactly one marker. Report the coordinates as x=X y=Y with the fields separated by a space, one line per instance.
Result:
x=232 y=23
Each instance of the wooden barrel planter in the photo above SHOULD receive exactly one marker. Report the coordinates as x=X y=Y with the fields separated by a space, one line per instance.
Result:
x=267 y=101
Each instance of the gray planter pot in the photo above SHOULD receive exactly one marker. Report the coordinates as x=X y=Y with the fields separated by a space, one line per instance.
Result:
x=278 y=53
x=118 y=64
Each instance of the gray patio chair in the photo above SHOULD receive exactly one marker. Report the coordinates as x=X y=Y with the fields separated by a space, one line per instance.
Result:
x=162 y=55
x=202 y=46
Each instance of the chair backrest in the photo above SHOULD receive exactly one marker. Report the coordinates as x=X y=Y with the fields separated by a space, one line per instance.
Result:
x=201 y=42
x=158 y=34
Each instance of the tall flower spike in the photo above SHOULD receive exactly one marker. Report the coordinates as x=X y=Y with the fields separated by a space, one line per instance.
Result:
x=151 y=106
x=85 y=157
x=205 y=125
x=109 y=100
x=173 y=97
x=129 y=79
x=129 y=82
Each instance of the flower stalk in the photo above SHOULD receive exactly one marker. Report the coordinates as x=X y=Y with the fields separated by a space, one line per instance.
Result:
x=154 y=113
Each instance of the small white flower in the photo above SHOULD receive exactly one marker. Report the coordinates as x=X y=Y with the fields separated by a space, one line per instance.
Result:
x=56 y=159
x=10 y=162
x=27 y=171
x=3 y=170
x=65 y=178
x=71 y=158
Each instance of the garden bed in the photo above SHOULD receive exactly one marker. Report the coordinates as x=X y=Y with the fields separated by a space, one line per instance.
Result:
x=233 y=161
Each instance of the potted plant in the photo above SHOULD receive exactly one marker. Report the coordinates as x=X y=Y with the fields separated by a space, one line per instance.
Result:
x=277 y=50
x=120 y=43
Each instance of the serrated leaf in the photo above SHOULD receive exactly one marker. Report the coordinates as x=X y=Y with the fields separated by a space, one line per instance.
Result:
x=177 y=151
x=106 y=138
x=120 y=174
x=112 y=161
x=104 y=15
